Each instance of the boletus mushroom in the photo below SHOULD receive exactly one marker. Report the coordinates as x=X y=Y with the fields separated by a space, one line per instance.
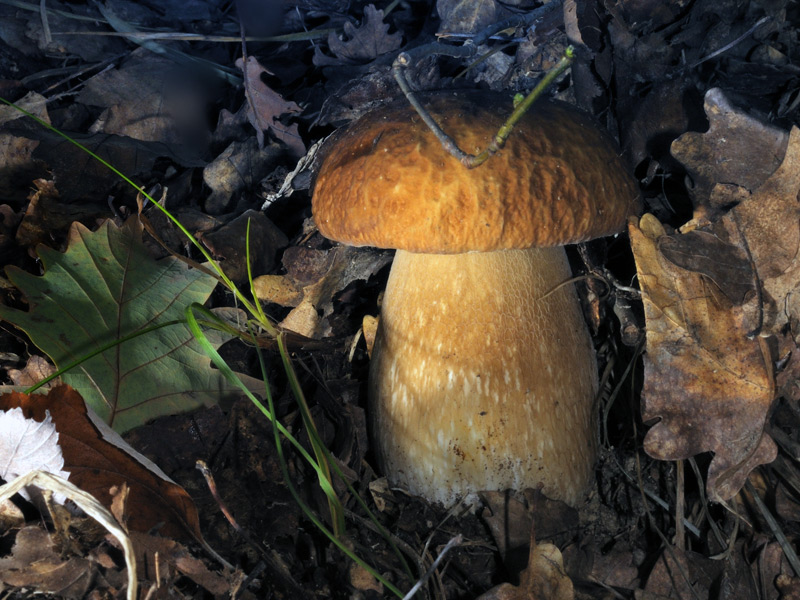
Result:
x=483 y=374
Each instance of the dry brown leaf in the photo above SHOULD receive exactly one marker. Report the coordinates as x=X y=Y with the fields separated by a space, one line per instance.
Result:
x=725 y=153
x=278 y=289
x=47 y=213
x=706 y=378
x=97 y=465
x=36 y=369
x=17 y=165
x=544 y=579
x=266 y=108
x=363 y=43
x=228 y=244
x=34 y=564
x=321 y=274
x=239 y=167
x=716 y=293
x=9 y=219
x=510 y=519
x=303 y=319
x=679 y=574
x=153 y=99
x=465 y=16
x=770 y=222
x=151 y=550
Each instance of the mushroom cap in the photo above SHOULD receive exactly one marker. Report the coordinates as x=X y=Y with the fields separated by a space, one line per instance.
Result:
x=386 y=181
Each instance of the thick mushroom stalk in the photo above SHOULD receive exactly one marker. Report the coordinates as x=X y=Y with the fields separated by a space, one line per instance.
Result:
x=483 y=376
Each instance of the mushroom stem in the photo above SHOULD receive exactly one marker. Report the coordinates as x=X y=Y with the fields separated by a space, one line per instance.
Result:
x=483 y=377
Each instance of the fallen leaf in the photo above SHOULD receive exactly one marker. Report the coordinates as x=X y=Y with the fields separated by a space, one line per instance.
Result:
x=166 y=552
x=543 y=579
x=17 y=164
x=239 y=167
x=364 y=43
x=103 y=288
x=770 y=222
x=322 y=274
x=28 y=445
x=465 y=16
x=228 y=245
x=303 y=319
x=34 y=564
x=717 y=292
x=98 y=460
x=511 y=518
x=706 y=378
x=9 y=221
x=725 y=153
x=36 y=369
x=152 y=99
x=47 y=213
x=278 y=289
x=679 y=574
x=267 y=106
x=81 y=176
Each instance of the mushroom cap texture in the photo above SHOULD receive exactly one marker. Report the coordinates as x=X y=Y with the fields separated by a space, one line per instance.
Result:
x=386 y=181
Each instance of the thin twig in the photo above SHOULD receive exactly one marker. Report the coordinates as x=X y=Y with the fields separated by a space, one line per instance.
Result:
x=404 y=60
x=450 y=545
x=727 y=47
x=772 y=523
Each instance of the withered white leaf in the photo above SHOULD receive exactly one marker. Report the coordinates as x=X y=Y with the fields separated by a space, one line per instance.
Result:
x=27 y=445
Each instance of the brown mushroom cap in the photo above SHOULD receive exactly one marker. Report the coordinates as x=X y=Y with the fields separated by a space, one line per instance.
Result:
x=386 y=181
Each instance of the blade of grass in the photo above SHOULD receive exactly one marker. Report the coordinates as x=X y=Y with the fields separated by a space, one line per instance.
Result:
x=323 y=458
x=100 y=350
x=279 y=429
x=289 y=368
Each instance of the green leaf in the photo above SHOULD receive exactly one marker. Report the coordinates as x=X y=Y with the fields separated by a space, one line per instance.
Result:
x=104 y=288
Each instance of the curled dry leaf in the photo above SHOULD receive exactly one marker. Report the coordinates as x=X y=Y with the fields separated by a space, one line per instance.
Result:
x=153 y=99
x=466 y=16
x=770 y=222
x=278 y=289
x=17 y=165
x=36 y=369
x=322 y=274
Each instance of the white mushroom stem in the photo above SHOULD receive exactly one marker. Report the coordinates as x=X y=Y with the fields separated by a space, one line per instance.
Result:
x=483 y=377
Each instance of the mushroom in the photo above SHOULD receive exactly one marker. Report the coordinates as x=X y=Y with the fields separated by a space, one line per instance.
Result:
x=483 y=374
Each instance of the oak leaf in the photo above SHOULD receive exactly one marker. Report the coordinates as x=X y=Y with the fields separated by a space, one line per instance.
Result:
x=267 y=106
x=720 y=298
x=706 y=379
x=363 y=43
